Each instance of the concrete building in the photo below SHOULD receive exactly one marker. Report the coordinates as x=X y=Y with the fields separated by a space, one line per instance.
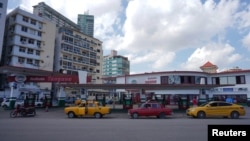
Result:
x=78 y=52
x=29 y=43
x=86 y=23
x=115 y=65
x=74 y=50
x=235 y=83
x=47 y=12
x=3 y=11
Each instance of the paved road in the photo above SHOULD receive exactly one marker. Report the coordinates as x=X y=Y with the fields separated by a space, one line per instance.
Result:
x=55 y=126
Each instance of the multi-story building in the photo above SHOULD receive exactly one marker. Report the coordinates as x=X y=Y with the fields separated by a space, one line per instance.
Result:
x=77 y=51
x=115 y=65
x=86 y=23
x=29 y=43
x=86 y=51
x=3 y=11
x=47 y=12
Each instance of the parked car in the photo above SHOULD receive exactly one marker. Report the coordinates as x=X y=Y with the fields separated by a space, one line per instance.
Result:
x=150 y=108
x=6 y=103
x=217 y=109
x=87 y=108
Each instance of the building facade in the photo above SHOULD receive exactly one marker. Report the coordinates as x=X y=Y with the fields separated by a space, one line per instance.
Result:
x=45 y=11
x=115 y=65
x=29 y=43
x=78 y=52
x=86 y=23
x=236 y=84
x=3 y=11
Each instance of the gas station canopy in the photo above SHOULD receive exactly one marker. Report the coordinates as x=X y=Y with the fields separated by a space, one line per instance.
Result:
x=27 y=71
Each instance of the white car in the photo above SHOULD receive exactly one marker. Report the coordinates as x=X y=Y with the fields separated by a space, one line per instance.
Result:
x=6 y=103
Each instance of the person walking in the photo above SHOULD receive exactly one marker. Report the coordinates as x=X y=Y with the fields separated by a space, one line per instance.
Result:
x=194 y=102
x=46 y=104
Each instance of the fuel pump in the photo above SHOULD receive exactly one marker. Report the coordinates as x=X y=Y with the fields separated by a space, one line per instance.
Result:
x=127 y=101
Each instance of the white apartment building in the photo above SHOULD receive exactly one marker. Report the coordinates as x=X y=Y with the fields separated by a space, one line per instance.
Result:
x=29 y=44
x=3 y=11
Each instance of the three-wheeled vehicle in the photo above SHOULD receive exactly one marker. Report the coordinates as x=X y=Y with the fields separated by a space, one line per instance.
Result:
x=25 y=109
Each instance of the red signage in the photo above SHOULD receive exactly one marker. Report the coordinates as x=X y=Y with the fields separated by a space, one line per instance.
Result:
x=68 y=79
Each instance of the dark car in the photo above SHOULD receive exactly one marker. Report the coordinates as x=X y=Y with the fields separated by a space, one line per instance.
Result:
x=150 y=108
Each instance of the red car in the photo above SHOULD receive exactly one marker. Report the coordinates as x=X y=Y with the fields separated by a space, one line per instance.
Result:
x=150 y=108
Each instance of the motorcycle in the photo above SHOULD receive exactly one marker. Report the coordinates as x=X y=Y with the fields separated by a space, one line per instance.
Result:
x=23 y=111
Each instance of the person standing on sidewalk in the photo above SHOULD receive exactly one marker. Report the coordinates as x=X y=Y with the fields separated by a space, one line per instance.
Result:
x=46 y=104
x=194 y=102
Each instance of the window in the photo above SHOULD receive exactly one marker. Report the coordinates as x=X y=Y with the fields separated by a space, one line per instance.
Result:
x=38 y=43
x=25 y=19
x=22 y=49
x=40 y=25
x=37 y=52
x=32 y=31
x=21 y=60
x=39 y=33
x=36 y=63
x=155 y=105
x=31 y=41
x=30 y=51
x=24 y=29
x=231 y=80
x=33 y=21
x=23 y=40
x=240 y=79
x=29 y=61
x=223 y=80
x=1 y=5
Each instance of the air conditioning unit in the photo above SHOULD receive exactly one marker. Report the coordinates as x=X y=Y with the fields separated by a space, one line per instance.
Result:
x=23 y=42
x=40 y=27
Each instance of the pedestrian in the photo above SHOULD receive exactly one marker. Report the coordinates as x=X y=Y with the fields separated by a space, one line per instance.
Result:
x=194 y=102
x=46 y=104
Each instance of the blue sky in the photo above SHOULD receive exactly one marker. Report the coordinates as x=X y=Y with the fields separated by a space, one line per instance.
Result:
x=165 y=35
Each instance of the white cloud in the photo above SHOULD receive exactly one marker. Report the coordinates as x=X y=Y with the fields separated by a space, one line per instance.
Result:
x=155 y=32
x=218 y=54
x=246 y=41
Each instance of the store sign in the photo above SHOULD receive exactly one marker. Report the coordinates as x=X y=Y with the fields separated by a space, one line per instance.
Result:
x=151 y=80
x=20 y=78
x=69 y=79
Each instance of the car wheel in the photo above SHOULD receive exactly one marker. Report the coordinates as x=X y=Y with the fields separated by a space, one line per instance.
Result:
x=4 y=107
x=135 y=115
x=162 y=115
x=235 y=115
x=71 y=115
x=98 y=115
x=201 y=114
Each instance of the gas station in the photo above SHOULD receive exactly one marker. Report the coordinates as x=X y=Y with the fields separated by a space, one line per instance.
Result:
x=62 y=81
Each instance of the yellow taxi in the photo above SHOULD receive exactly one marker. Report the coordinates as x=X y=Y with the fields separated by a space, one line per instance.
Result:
x=217 y=109
x=87 y=108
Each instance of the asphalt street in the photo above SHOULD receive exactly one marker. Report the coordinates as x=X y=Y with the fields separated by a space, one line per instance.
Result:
x=54 y=125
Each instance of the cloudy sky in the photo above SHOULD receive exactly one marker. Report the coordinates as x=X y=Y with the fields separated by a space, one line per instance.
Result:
x=165 y=35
